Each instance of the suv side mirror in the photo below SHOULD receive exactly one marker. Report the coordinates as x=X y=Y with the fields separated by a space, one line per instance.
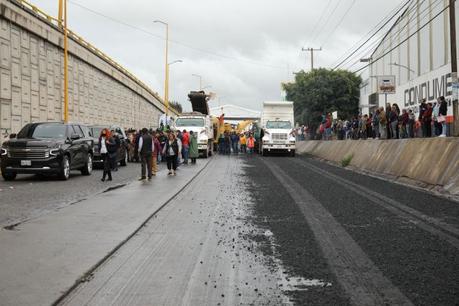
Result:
x=75 y=137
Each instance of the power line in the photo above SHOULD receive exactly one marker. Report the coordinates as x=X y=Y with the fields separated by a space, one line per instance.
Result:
x=174 y=41
x=321 y=17
x=390 y=15
x=396 y=34
x=341 y=20
x=373 y=35
x=326 y=22
x=405 y=40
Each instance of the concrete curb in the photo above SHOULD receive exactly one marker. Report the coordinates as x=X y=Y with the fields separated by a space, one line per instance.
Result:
x=427 y=163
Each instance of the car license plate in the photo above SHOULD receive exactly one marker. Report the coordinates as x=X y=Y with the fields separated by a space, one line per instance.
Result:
x=26 y=163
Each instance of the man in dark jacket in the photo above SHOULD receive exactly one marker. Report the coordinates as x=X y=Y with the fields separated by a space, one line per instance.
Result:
x=146 y=149
x=442 y=115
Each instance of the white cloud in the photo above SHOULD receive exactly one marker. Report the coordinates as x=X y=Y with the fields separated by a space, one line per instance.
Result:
x=260 y=33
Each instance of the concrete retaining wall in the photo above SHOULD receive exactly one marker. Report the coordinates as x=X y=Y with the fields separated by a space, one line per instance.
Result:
x=31 y=79
x=433 y=161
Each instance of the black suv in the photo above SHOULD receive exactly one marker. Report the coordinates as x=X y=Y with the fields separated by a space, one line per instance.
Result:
x=120 y=138
x=48 y=148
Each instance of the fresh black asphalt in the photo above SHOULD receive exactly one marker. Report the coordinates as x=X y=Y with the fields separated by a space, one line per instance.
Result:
x=421 y=265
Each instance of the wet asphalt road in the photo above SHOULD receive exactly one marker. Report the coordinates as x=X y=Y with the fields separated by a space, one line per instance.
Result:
x=280 y=230
x=30 y=196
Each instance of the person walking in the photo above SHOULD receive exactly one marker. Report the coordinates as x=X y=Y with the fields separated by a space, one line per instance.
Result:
x=193 y=150
x=146 y=149
x=105 y=141
x=442 y=115
x=185 y=146
x=171 y=151
x=155 y=154
x=114 y=155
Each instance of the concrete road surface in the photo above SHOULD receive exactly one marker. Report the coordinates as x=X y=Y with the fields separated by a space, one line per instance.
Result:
x=276 y=231
x=30 y=196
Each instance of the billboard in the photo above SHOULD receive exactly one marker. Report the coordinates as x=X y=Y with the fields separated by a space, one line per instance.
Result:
x=386 y=84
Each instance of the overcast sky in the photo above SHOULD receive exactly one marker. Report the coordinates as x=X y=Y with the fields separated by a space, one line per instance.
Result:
x=243 y=49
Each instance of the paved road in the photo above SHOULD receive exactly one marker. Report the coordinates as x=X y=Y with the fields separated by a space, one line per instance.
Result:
x=260 y=231
x=30 y=196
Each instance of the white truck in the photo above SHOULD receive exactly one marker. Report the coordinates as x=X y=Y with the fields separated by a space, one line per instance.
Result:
x=277 y=121
x=199 y=122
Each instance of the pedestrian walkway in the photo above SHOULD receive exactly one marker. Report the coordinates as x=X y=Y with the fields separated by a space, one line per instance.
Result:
x=43 y=258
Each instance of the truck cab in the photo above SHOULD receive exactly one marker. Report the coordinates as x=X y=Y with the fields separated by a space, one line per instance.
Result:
x=278 y=132
x=198 y=121
x=202 y=126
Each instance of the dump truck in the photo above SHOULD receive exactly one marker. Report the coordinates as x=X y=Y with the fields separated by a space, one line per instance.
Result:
x=199 y=121
x=277 y=121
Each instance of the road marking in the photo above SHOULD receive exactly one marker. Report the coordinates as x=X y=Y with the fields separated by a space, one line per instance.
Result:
x=427 y=223
x=358 y=275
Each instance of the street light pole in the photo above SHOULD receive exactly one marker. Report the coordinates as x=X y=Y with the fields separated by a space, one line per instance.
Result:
x=200 y=80
x=169 y=64
x=166 y=77
x=62 y=18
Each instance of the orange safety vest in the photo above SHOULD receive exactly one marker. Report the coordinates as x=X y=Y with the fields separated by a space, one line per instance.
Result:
x=251 y=142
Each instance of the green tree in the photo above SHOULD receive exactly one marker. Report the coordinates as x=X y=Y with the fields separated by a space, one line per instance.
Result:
x=176 y=105
x=321 y=91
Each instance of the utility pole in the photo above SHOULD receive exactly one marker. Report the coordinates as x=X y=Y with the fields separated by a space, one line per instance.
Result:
x=452 y=21
x=166 y=76
x=312 y=50
x=455 y=85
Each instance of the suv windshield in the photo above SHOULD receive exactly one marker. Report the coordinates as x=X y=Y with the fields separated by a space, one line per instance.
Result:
x=51 y=130
x=278 y=125
x=189 y=122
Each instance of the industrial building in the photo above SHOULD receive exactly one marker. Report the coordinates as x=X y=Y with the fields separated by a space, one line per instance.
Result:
x=415 y=54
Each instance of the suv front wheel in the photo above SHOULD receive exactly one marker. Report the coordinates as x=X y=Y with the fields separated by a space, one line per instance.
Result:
x=87 y=169
x=9 y=176
x=64 y=172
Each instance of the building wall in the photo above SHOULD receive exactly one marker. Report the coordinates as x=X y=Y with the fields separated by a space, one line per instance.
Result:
x=31 y=79
x=425 y=57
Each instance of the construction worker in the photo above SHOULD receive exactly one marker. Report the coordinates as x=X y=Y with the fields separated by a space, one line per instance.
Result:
x=250 y=144
x=243 y=141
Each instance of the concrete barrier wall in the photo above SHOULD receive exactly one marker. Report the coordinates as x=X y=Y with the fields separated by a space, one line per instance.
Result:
x=31 y=78
x=433 y=161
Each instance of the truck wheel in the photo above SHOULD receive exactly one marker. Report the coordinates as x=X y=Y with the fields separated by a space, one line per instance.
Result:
x=206 y=154
x=64 y=172
x=211 y=151
x=9 y=176
x=292 y=153
x=264 y=152
x=87 y=169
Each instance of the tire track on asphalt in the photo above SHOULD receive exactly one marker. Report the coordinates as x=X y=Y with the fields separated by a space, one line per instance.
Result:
x=432 y=225
x=358 y=275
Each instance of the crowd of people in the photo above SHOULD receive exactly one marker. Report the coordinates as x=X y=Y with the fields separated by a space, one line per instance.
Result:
x=236 y=143
x=151 y=147
x=385 y=123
